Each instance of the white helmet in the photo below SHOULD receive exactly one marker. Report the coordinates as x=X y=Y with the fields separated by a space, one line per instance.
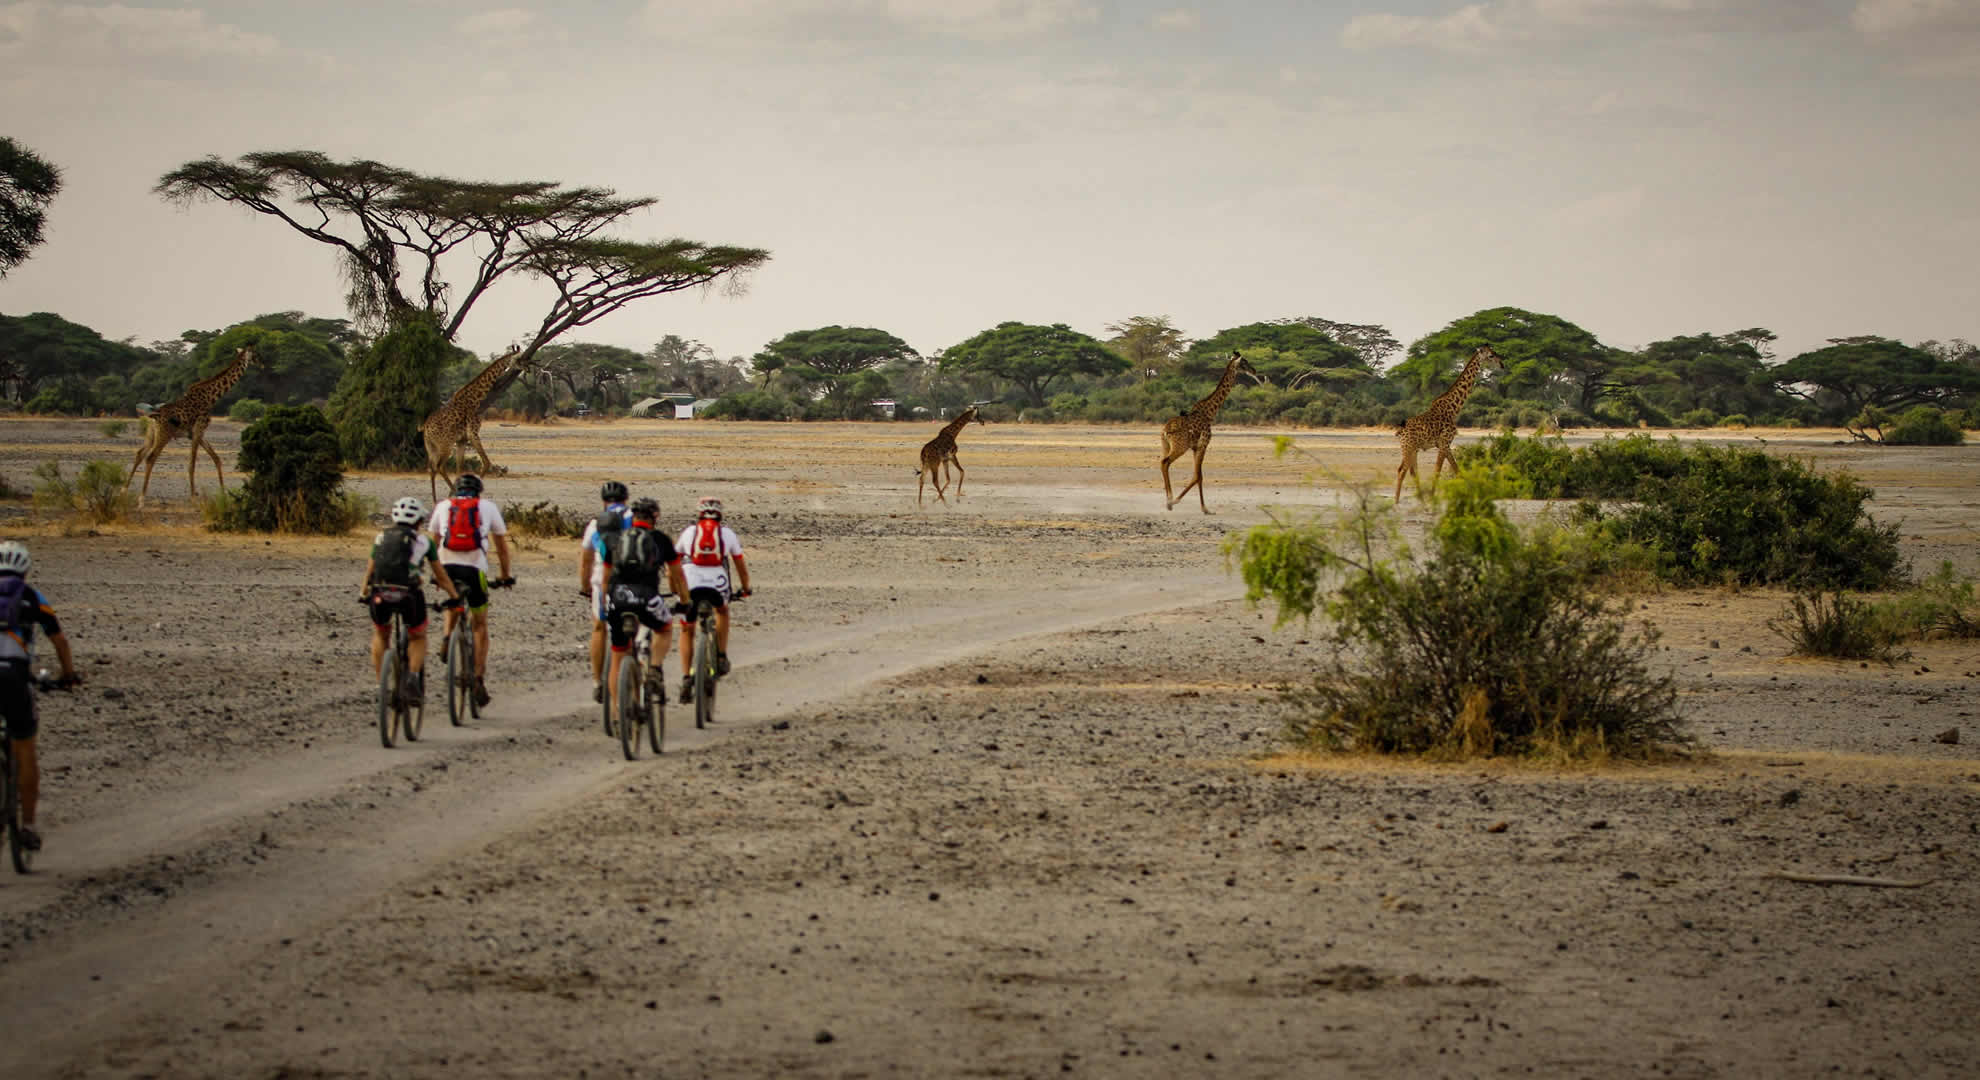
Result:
x=408 y=511
x=14 y=558
x=708 y=505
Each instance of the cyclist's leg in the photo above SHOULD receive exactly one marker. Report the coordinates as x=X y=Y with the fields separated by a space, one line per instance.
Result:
x=621 y=643
x=381 y=630
x=415 y=616
x=480 y=617
x=722 y=637
x=19 y=724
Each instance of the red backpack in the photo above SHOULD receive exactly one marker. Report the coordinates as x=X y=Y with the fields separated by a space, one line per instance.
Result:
x=463 y=524
x=706 y=548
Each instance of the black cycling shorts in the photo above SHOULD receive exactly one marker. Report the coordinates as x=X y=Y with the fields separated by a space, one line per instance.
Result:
x=472 y=581
x=408 y=602
x=17 y=700
x=644 y=603
x=716 y=598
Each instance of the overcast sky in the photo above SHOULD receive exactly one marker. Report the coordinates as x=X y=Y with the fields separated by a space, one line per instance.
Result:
x=1645 y=168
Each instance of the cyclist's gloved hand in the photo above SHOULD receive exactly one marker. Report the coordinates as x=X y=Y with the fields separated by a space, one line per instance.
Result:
x=585 y=592
x=451 y=603
x=504 y=583
x=744 y=593
x=68 y=681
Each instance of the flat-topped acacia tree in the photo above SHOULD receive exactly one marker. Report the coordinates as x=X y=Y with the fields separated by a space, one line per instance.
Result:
x=420 y=248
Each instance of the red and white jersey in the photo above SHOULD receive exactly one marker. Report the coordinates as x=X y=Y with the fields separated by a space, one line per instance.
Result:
x=705 y=555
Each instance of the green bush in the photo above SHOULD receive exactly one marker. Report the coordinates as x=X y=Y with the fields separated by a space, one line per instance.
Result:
x=98 y=493
x=1698 y=418
x=386 y=393
x=1925 y=426
x=114 y=429
x=1736 y=420
x=295 y=481
x=1496 y=642
x=1834 y=625
x=755 y=405
x=1943 y=605
x=247 y=410
x=68 y=395
x=1713 y=514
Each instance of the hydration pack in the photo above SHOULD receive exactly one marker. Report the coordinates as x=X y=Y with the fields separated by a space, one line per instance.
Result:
x=706 y=547
x=13 y=597
x=464 y=523
x=392 y=556
x=634 y=556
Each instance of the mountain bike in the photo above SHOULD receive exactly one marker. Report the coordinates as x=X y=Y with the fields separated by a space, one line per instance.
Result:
x=642 y=696
x=458 y=648
x=702 y=672
x=401 y=709
x=10 y=787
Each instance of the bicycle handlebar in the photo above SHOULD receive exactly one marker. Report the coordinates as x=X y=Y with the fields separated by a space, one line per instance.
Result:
x=46 y=682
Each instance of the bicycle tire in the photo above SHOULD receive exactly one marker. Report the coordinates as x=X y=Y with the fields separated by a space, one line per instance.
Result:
x=653 y=700
x=411 y=714
x=629 y=705
x=704 y=670
x=465 y=628
x=10 y=816
x=387 y=715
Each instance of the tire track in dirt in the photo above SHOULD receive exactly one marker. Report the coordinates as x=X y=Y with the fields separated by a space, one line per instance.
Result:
x=327 y=844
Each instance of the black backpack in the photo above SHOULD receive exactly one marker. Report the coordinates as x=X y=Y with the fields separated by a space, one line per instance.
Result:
x=13 y=597
x=392 y=558
x=634 y=556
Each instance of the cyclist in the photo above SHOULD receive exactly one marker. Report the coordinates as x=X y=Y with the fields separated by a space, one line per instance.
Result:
x=708 y=548
x=464 y=527
x=22 y=608
x=591 y=574
x=635 y=559
x=393 y=582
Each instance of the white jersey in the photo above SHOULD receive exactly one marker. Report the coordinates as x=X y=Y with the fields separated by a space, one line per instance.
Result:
x=708 y=577
x=590 y=543
x=491 y=525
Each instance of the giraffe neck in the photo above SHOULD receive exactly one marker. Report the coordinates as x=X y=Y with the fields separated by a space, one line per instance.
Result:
x=1450 y=401
x=202 y=394
x=955 y=426
x=1208 y=406
x=468 y=398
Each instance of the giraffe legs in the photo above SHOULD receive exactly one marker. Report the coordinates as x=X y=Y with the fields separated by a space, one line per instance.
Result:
x=1169 y=455
x=210 y=452
x=1407 y=468
x=1195 y=482
x=951 y=460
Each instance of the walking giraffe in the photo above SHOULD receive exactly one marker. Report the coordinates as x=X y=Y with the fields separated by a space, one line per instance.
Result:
x=1437 y=425
x=188 y=415
x=940 y=453
x=458 y=422
x=1191 y=431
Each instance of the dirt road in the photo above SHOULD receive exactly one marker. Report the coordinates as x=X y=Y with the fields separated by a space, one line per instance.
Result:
x=993 y=794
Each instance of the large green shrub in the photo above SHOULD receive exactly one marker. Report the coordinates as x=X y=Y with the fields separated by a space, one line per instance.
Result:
x=1496 y=641
x=247 y=410
x=98 y=493
x=386 y=393
x=1714 y=514
x=295 y=481
x=1925 y=426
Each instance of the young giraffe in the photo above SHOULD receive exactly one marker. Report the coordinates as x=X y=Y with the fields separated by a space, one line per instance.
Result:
x=1437 y=425
x=941 y=453
x=1191 y=431
x=188 y=415
x=458 y=422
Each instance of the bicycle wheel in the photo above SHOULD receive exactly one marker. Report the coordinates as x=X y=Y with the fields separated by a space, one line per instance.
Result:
x=460 y=676
x=10 y=814
x=704 y=672
x=629 y=705
x=653 y=699
x=388 y=693
x=465 y=628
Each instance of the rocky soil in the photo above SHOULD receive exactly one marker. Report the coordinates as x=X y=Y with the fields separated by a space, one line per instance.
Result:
x=996 y=791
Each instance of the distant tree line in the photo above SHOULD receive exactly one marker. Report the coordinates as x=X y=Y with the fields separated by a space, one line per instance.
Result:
x=1317 y=373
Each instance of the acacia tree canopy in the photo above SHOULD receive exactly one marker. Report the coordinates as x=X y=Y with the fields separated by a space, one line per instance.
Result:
x=1032 y=357
x=27 y=185
x=833 y=350
x=1541 y=352
x=1873 y=371
x=1286 y=351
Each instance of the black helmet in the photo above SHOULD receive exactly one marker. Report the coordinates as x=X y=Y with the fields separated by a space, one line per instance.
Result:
x=613 y=492
x=646 y=510
x=468 y=484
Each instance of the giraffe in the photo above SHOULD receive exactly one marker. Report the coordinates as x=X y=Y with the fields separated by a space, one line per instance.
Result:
x=1190 y=431
x=188 y=415
x=941 y=453
x=458 y=422
x=1437 y=425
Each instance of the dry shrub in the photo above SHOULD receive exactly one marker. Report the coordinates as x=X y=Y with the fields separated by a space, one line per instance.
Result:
x=97 y=494
x=546 y=520
x=1834 y=625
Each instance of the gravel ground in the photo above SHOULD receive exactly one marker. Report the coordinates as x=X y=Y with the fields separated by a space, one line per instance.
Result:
x=997 y=792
